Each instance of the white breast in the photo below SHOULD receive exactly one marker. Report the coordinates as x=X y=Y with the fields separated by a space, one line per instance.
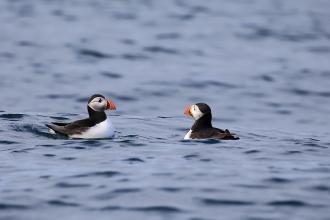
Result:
x=104 y=129
x=188 y=135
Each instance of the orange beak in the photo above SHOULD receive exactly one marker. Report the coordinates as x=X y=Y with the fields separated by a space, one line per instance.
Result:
x=109 y=105
x=187 y=111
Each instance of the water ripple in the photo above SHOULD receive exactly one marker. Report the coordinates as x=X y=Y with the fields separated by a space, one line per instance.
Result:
x=168 y=36
x=191 y=156
x=171 y=189
x=6 y=206
x=165 y=209
x=126 y=190
x=12 y=117
x=58 y=118
x=93 y=53
x=225 y=202
x=111 y=208
x=4 y=142
x=252 y=151
x=102 y=174
x=204 y=84
x=287 y=203
x=112 y=75
x=62 y=203
x=278 y=180
x=72 y=185
x=116 y=193
x=134 y=159
x=160 y=49
x=134 y=56
x=322 y=188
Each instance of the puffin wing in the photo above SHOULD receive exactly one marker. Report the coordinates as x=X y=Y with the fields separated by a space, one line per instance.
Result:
x=57 y=129
x=206 y=132
x=213 y=133
x=76 y=127
x=226 y=135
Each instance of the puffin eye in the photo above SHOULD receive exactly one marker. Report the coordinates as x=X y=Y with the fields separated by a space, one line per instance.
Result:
x=100 y=100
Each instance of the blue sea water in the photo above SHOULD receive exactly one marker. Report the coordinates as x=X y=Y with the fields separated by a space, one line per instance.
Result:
x=262 y=65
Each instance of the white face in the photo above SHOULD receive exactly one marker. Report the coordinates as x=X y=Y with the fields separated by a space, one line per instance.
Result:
x=98 y=104
x=196 y=113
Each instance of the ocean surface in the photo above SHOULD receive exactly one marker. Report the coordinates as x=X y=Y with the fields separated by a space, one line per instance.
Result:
x=263 y=66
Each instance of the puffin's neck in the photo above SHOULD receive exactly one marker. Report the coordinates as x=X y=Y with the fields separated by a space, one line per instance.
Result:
x=203 y=122
x=96 y=116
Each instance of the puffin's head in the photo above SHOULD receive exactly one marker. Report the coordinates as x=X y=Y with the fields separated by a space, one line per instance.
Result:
x=99 y=103
x=198 y=110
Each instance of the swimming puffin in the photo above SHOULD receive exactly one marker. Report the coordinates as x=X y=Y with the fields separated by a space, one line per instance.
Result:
x=94 y=127
x=202 y=128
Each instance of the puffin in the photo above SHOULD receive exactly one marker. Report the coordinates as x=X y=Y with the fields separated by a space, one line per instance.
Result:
x=202 y=128
x=95 y=127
